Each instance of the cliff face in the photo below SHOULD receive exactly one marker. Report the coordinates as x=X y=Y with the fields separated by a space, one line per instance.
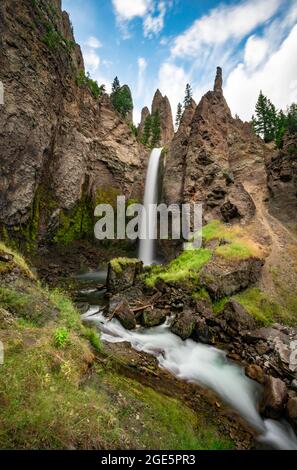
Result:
x=144 y=114
x=57 y=140
x=218 y=155
x=282 y=181
x=176 y=162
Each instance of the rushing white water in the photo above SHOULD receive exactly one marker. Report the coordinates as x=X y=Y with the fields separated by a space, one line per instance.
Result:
x=203 y=365
x=149 y=223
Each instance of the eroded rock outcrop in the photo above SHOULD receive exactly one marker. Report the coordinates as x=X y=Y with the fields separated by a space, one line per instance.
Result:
x=162 y=105
x=145 y=113
x=219 y=156
x=58 y=142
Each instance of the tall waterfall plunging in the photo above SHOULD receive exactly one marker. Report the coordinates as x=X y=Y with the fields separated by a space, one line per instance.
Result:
x=148 y=223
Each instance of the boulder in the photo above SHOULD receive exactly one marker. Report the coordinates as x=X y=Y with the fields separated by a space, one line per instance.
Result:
x=153 y=317
x=292 y=412
x=275 y=397
x=184 y=324
x=202 y=332
x=224 y=277
x=6 y=319
x=119 y=309
x=6 y=257
x=122 y=273
x=294 y=385
x=237 y=317
x=255 y=372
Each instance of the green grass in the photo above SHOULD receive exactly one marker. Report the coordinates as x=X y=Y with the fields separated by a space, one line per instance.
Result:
x=214 y=229
x=93 y=336
x=18 y=260
x=185 y=267
x=118 y=264
x=218 y=305
x=235 y=250
x=169 y=424
x=259 y=306
x=69 y=315
x=57 y=397
x=201 y=294
x=236 y=244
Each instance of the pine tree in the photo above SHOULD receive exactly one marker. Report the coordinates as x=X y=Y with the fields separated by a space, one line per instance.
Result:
x=292 y=118
x=178 y=114
x=121 y=98
x=265 y=122
x=281 y=127
x=146 y=135
x=155 y=129
x=188 y=95
x=115 y=85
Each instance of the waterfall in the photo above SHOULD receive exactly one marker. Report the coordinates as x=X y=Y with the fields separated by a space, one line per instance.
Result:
x=149 y=222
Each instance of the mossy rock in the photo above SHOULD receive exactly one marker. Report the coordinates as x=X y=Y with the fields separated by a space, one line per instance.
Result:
x=122 y=273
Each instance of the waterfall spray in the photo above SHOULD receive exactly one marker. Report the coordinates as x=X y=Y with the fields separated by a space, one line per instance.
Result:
x=148 y=222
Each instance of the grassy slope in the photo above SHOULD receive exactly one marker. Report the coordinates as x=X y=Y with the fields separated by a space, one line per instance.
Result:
x=54 y=394
x=236 y=245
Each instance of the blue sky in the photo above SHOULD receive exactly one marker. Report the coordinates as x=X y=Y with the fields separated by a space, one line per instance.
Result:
x=164 y=44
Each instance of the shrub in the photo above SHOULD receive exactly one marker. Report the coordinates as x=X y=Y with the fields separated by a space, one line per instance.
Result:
x=85 y=80
x=52 y=38
x=61 y=337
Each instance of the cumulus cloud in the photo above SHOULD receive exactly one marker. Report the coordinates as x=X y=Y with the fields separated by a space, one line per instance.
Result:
x=92 y=60
x=129 y=9
x=276 y=77
x=223 y=23
x=172 y=82
x=153 y=24
x=255 y=51
x=151 y=11
x=93 y=43
x=267 y=60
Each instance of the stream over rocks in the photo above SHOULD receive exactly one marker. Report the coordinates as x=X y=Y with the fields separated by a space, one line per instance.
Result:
x=203 y=365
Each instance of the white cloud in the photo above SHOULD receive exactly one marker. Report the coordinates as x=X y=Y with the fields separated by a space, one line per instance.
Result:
x=276 y=77
x=93 y=43
x=92 y=60
x=152 y=13
x=255 y=51
x=153 y=24
x=224 y=23
x=129 y=9
x=142 y=65
x=172 y=82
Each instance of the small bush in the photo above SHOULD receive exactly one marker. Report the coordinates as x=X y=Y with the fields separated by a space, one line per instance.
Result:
x=61 y=337
x=85 y=80
x=52 y=38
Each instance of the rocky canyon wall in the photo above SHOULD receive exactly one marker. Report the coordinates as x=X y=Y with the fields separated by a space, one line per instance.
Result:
x=59 y=145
